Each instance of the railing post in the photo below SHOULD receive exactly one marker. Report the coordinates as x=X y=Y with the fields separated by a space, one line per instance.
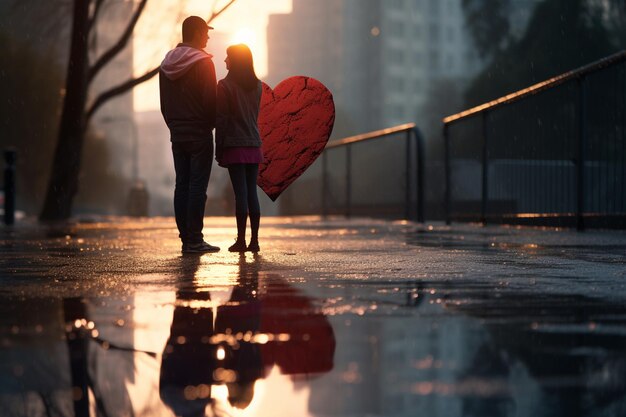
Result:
x=580 y=159
x=324 y=185
x=446 y=150
x=407 y=181
x=9 y=187
x=419 y=162
x=348 y=180
x=485 y=171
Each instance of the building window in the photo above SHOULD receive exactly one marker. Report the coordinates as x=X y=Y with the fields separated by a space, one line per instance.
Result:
x=395 y=55
x=433 y=31
x=397 y=29
x=417 y=32
x=450 y=33
x=397 y=84
x=433 y=58
x=450 y=62
x=434 y=6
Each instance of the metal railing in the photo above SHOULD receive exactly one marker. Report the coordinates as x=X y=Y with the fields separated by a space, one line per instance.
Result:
x=9 y=187
x=413 y=169
x=551 y=154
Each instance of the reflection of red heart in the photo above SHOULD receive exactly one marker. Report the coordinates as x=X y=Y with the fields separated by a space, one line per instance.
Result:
x=295 y=122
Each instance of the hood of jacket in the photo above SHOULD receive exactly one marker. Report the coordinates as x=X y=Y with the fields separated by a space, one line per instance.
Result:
x=178 y=61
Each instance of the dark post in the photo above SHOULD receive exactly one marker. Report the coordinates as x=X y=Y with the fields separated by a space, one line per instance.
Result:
x=9 y=187
x=74 y=311
x=348 y=180
x=446 y=148
x=485 y=174
x=419 y=161
x=407 y=180
x=580 y=160
x=324 y=184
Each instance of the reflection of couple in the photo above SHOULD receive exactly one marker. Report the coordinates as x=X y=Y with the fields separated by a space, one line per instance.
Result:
x=193 y=104
x=237 y=343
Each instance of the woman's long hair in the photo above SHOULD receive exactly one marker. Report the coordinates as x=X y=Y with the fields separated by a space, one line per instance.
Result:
x=241 y=66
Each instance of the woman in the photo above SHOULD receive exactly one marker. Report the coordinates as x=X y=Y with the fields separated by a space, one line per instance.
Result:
x=237 y=140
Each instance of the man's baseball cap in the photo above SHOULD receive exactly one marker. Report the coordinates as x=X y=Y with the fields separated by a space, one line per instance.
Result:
x=196 y=21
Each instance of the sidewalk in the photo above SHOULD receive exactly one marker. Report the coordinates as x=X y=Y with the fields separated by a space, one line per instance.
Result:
x=423 y=319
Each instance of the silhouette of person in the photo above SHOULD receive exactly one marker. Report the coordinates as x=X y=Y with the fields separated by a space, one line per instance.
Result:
x=188 y=360
x=241 y=316
x=237 y=140
x=188 y=103
x=205 y=350
x=192 y=362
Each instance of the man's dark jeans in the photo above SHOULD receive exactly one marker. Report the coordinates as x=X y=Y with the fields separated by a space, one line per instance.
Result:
x=192 y=162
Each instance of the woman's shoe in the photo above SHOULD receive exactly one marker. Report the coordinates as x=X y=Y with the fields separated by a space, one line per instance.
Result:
x=253 y=247
x=239 y=246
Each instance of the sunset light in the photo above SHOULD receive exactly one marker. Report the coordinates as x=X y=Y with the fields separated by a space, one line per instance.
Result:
x=245 y=35
x=244 y=22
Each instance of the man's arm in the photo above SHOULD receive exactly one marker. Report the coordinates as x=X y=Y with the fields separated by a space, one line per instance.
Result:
x=209 y=89
x=161 y=98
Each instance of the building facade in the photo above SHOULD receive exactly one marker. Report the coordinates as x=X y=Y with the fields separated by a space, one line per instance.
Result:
x=377 y=57
x=380 y=59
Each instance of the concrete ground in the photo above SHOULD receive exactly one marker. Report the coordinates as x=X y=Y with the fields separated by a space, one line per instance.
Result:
x=333 y=317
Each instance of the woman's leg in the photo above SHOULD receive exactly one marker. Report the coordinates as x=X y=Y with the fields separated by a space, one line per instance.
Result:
x=237 y=173
x=254 y=209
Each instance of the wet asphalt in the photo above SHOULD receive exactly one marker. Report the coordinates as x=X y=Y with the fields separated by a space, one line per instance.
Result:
x=333 y=317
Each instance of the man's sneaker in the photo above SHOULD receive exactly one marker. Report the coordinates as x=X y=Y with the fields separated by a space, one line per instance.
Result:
x=199 y=248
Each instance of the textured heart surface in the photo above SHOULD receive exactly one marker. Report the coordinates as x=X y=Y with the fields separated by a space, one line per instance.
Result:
x=295 y=122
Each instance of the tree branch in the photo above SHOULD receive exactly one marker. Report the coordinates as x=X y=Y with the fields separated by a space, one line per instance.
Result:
x=215 y=14
x=94 y=16
x=121 y=43
x=131 y=83
x=119 y=89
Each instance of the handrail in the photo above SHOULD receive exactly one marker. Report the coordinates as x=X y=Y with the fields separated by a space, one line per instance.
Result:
x=536 y=88
x=410 y=129
x=371 y=135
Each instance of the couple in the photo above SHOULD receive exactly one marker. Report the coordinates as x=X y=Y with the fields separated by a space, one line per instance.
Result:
x=193 y=104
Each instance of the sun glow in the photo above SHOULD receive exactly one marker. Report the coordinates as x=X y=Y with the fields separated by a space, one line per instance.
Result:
x=247 y=36
x=244 y=22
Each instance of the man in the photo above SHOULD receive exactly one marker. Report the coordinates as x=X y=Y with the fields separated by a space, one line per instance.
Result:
x=188 y=104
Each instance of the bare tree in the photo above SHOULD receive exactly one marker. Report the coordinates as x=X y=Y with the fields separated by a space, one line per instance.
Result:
x=77 y=110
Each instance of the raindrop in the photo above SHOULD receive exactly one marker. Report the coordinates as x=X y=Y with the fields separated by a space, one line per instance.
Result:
x=261 y=338
x=220 y=354
x=190 y=393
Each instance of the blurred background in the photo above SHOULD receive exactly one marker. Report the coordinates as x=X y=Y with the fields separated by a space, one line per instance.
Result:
x=386 y=62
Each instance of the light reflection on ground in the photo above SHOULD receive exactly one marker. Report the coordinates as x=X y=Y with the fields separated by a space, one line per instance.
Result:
x=333 y=318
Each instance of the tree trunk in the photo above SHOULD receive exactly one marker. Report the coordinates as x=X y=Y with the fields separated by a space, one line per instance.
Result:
x=63 y=183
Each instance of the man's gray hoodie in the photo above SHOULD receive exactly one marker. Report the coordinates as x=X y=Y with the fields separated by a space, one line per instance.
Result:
x=188 y=93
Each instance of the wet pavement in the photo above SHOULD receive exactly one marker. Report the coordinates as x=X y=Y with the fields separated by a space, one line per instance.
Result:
x=332 y=318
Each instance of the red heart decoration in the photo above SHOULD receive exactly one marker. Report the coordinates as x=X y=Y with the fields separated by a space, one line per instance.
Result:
x=295 y=122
